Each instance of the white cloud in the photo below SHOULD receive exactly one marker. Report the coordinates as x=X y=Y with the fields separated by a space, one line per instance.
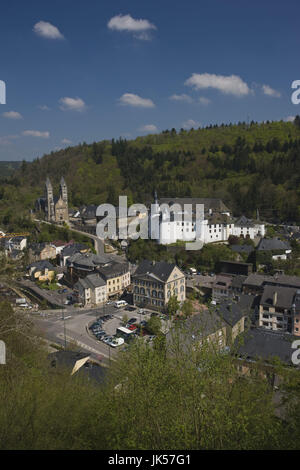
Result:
x=44 y=107
x=129 y=99
x=267 y=90
x=72 y=104
x=204 y=101
x=12 y=115
x=129 y=24
x=290 y=119
x=6 y=140
x=183 y=98
x=231 y=84
x=30 y=133
x=190 y=123
x=66 y=141
x=148 y=128
x=47 y=30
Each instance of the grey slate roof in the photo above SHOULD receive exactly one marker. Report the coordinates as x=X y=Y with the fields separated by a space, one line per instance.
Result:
x=243 y=221
x=242 y=248
x=272 y=244
x=72 y=249
x=92 y=281
x=197 y=327
x=160 y=269
x=43 y=264
x=238 y=281
x=67 y=359
x=232 y=312
x=209 y=203
x=285 y=296
x=266 y=344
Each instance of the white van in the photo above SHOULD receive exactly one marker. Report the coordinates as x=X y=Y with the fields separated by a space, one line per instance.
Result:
x=193 y=271
x=120 y=303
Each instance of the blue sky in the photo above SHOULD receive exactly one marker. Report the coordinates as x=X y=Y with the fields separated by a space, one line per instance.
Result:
x=85 y=71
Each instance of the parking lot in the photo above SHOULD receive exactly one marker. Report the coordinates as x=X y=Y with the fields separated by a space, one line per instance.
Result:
x=111 y=318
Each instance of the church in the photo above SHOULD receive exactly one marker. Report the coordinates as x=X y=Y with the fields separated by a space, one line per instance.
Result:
x=55 y=208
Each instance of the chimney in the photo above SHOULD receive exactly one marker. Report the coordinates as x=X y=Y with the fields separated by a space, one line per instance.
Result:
x=275 y=298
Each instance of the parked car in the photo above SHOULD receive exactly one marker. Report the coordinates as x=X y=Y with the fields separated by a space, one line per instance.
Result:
x=131 y=321
x=143 y=323
x=132 y=327
x=107 y=339
x=129 y=308
x=116 y=342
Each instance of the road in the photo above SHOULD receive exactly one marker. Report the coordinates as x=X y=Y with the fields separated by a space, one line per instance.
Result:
x=72 y=323
x=98 y=242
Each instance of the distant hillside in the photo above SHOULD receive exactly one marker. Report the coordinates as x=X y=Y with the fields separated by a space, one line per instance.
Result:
x=7 y=169
x=255 y=166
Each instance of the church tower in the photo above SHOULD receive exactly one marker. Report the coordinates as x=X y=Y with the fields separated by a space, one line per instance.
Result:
x=63 y=190
x=61 y=207
x=49 y=201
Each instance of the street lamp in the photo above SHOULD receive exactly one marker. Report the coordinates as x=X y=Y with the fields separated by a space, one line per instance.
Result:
x=65 y=338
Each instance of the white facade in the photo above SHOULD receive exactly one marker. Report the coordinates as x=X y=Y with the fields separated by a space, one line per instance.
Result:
x=17 y=243
x=212 y=227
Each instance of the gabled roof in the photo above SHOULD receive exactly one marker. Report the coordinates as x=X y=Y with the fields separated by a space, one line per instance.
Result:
x=73 y=248
x=232 y=312
x=285 y=296
x=215 y=204
x=92 y=281
x=160 y=269
x=243 y=221
x=242 y=248
x=43 y=264
x=266 y=345
x=270 y=244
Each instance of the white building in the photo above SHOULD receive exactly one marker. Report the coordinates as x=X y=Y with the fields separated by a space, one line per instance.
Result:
x=18 y=243
x=91 y=290
x=187 y=222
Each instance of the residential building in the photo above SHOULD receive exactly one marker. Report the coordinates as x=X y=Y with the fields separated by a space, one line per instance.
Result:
x=236 y=315
x=280 y=249
x=155 y=282
x=41 y=271
x=42 y=251
x=91 y=290
x=71 y=249
x=205 y=328
x=116 y=275
x=18 y=243
x=221 y=288
x=276 y=309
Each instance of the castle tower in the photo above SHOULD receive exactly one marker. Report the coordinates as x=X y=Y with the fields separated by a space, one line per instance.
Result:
x=49 y=201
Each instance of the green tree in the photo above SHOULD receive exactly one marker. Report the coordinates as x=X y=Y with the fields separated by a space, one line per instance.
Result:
x=173 y=306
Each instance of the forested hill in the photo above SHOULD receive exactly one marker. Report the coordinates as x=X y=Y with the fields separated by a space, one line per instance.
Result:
x=250 y=166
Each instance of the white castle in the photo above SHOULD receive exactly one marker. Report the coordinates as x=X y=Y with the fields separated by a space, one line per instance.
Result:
x=213 y=221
